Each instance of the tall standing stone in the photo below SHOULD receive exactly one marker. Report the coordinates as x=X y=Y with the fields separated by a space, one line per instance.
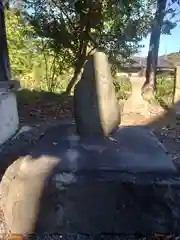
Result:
x=97 y=112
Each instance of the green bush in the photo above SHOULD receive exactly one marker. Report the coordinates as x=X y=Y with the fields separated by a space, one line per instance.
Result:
x=165 y=89
x=122 y=87
x=164 y=92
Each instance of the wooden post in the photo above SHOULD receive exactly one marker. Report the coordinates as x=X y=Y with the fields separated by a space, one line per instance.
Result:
x=5 y=74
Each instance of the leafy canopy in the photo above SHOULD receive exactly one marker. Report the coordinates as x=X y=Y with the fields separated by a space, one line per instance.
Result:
x=79 y=26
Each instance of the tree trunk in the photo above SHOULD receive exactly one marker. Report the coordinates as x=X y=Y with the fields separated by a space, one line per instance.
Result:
x=82 y=54
x=5 y=73
x=7 y=5
x=78 y=67
x=152 y=58
x=81 y=58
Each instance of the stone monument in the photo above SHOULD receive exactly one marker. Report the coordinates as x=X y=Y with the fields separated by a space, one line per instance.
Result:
x=97 y=112
x=95 y=180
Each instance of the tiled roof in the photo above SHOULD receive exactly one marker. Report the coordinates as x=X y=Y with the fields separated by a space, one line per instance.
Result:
x=141 y=62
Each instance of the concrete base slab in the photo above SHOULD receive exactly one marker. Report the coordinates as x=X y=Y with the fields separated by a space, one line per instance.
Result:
x=9 y=120
x=133 y=149
x=118 y=203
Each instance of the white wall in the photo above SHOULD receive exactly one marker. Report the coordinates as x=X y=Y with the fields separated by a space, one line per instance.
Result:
x=9 y=120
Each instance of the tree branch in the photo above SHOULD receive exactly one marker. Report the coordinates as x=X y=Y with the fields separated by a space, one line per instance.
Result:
x=68 y=18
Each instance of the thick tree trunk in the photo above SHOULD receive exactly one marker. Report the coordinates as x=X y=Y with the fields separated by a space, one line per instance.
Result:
x=82 y=54
x=152 y=58
x=81 y=58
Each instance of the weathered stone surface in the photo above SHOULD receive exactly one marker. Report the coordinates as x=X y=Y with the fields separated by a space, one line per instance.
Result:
x=67 y=185
x=95 y=202
x=10 y=175
x=97 y=111
x=21 y=190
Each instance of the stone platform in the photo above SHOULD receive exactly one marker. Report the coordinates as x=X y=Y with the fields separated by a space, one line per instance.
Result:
x=132 y=149
x=123 y=184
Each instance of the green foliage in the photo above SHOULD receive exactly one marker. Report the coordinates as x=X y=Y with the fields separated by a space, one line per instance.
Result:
x=125 y=24
x=50 y=39
x=22 y=49
x=168 y=26
x=78 y=27
x=122 y=87
x=163 y=95
x=32 y=61
x=165 y=89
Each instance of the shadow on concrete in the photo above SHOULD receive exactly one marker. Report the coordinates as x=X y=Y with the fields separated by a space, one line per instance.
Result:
x=68 y=156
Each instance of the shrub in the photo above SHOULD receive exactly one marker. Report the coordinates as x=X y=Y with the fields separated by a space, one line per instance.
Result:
x=165 y=89
x=164 y=92
x=122 y=87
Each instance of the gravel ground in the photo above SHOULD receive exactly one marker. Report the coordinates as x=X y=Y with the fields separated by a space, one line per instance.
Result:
x=100 y=237
x=171 y=140
x=94 y=237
